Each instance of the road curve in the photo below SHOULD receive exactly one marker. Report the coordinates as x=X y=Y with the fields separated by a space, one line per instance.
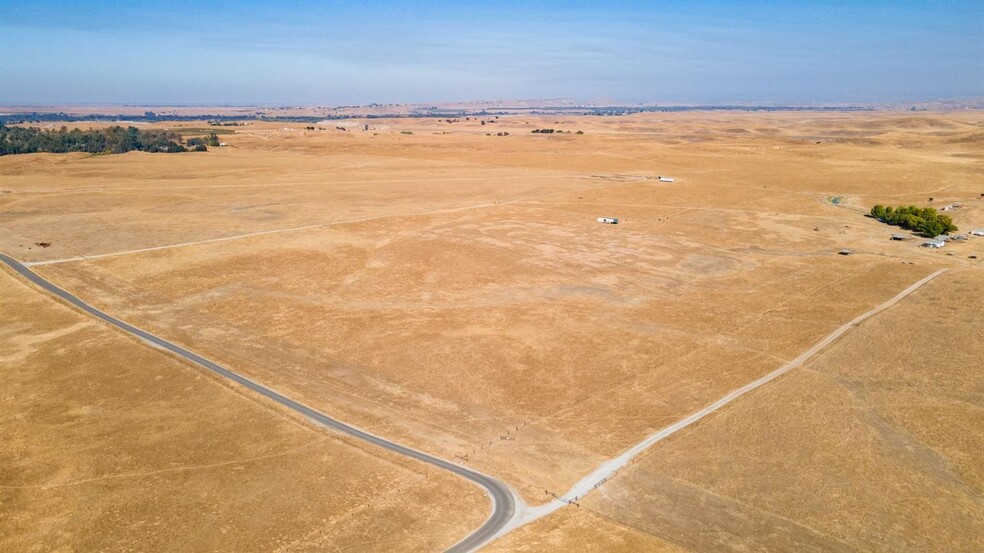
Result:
x=503 y=499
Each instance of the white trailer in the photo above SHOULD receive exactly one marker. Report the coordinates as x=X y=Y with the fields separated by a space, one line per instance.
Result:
x=608 y=220
x=665 y=179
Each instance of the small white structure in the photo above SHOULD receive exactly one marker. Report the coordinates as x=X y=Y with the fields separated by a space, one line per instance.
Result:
x=947 y=207
x=978 y=232
x=934 y=244
x=942 y=238
x=664 y=179
x=608 y=220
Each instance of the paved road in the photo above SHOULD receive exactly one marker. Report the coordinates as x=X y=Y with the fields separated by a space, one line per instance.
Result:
x=503 y=500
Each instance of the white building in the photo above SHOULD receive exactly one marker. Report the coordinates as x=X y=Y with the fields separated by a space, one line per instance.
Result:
x=665 y=179
x=608 y=220
x=934 y=244
x=978 y=232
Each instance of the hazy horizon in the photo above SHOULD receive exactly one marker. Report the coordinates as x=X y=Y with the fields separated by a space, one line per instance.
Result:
x=251 y=53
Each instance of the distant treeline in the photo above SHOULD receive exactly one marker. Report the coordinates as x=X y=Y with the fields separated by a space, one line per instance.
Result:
x=113 y=140
x=214 y=120
x=619 y=110
x=150 y=117
x=924 y=220
x=646 y=109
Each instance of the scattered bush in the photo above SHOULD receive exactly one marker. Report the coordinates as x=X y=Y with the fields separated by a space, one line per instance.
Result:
x=201 y=144
x=197 y=144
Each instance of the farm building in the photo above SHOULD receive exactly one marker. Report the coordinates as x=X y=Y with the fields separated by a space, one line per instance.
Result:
x=978 y=232
x=608 y=220
x=934 y=244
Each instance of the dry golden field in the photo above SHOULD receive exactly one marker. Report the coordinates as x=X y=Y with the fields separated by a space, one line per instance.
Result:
x=111 y=445
x=451 y=289
x=872 y=446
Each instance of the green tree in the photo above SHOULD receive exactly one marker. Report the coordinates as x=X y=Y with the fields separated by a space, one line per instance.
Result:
x=115 y=139
x=926 y=220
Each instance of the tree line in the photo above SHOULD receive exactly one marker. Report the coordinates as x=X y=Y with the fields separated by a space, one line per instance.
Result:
x=151 y=117
x=924 y=220
x=115 y=140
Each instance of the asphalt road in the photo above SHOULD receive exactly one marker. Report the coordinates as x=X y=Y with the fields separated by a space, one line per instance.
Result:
x=503 y=500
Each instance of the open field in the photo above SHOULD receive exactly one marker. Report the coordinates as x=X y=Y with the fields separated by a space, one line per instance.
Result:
x=872 y=446
x=452 y=290
x=111 y=445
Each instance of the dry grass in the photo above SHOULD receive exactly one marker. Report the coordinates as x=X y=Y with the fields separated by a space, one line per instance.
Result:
x=873 y=446
x=456 y=292
x=113 y=446
x=578 y=529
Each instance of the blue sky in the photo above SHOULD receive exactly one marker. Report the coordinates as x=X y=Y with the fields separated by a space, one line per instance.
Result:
x=218 y=52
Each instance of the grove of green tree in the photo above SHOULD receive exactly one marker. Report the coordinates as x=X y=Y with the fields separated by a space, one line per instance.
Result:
x=924 y=220
x=113 y=140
